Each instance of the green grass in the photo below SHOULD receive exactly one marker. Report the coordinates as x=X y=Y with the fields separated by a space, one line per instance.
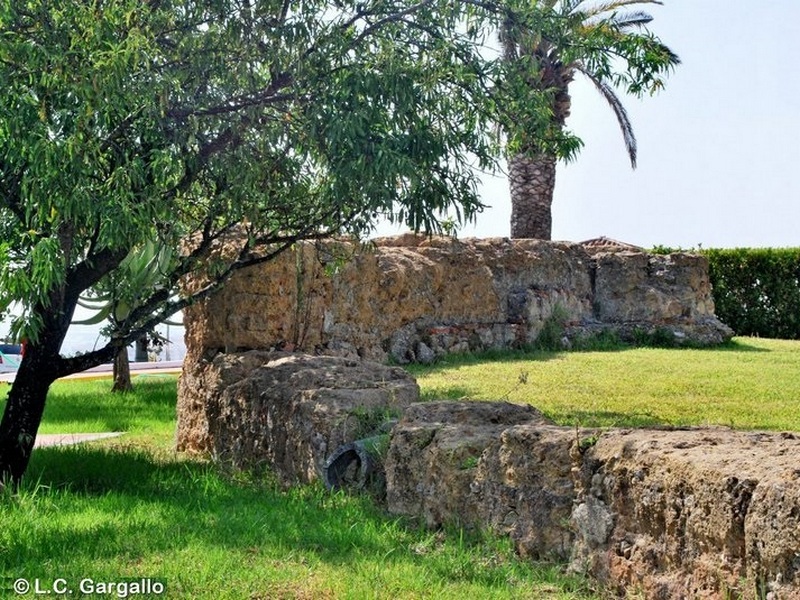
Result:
x=86 y=406
x=749 y=383
x=131 y=508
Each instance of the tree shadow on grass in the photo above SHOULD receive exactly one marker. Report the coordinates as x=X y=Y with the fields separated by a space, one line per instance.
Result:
x=511 y=356
x=453 y=361
x=123 y=505
x=191 y=497
x=735 y=345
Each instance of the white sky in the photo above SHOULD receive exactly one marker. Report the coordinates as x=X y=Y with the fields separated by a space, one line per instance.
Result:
x=718 y=148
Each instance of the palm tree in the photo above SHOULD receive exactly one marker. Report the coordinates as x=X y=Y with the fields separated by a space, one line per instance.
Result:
x=544 y=47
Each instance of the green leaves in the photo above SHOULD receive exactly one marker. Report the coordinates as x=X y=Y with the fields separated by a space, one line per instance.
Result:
x=124 y=124
x=147 y=269
x=757 y=291
x=546 y=43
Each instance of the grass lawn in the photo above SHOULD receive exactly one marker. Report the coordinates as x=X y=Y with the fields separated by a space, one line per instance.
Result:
x=131 y=508
x=749 y=383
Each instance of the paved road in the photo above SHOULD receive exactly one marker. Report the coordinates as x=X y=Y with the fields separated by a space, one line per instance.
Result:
x=104 y=371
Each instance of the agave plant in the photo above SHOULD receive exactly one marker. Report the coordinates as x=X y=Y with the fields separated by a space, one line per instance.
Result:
x=113 y=300
x=602 y=41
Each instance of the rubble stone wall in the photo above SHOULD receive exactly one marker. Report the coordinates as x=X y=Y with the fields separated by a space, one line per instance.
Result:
x=701 y=513
x=689 y=514
x=414 y=298
x=661 y=514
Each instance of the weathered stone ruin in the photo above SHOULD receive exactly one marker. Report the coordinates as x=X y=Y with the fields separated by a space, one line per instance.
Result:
x=694 y=513
x=700 y=513
x=485 y=464
x=414 y=298
x=704 y=513
x=285 y=411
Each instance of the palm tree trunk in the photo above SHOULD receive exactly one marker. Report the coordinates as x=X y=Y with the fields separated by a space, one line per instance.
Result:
x=532 y=180
x=122 y=372
x=141 y=349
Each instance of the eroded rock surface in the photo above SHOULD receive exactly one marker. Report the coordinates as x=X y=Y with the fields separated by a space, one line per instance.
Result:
x=480 y=464
x=701 y=513
x=286 y=411
x=412 y=298
x=696 y=514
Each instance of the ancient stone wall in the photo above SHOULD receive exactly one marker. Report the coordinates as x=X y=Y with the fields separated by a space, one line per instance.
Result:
x=285 y=411
x=705 y=513
x=413 y=298
x=695 y=513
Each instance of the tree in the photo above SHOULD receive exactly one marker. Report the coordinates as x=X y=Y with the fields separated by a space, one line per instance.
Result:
x=142 y=272
x=608 y=45
x=123 y=122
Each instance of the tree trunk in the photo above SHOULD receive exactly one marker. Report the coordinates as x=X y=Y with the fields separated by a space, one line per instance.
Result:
x=43 y=363
x=122 y=372
x=23 y=414
x=532 y=180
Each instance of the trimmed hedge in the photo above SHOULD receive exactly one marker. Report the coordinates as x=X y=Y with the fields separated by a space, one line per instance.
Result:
x=757 y=290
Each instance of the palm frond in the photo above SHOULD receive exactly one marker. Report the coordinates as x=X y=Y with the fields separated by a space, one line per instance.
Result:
x=672 y=59
x=623 y=21
x=569 y=6
x=604 y=7
x=608 y=92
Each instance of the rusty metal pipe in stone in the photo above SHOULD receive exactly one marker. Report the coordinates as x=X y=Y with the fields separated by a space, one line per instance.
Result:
x=357 y=465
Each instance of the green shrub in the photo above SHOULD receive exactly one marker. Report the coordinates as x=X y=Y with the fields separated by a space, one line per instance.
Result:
x=603 y=340
x=661 y=337
x=757 y=291
x=551 y=336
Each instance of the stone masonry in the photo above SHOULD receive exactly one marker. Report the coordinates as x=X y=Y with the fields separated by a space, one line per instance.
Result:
x=413 y=298
x=682 y=514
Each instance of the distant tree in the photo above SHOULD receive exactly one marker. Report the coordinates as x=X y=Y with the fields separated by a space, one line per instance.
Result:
x=125 y=121
x=141 y=273
x=602 y=41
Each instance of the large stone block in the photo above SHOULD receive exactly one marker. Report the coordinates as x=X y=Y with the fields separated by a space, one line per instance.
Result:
x=641 y=287
x=699 y=513
x=708 y=513
x=286 y=411
x=484 y=464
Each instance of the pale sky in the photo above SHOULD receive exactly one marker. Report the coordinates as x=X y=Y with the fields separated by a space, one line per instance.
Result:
x=719 y=148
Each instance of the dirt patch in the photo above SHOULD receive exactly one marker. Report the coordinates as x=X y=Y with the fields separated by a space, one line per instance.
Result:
x=69 y=439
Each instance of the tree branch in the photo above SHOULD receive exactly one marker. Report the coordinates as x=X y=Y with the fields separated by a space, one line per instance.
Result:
x=265 y=97
x=119 y=130
x=394 y=17
x=89 y=271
